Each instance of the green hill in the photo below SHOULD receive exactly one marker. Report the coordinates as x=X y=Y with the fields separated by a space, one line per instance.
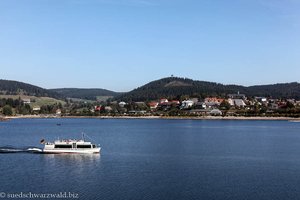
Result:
x=174 y=88
x=8 y=87
x=171 y=88
x=88 y=94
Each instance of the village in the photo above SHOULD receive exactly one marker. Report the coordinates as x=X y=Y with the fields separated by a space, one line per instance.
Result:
x=233 y=105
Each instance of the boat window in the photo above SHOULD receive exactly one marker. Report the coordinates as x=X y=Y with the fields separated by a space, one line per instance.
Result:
x=94 y=146
x=66 y=146
x=83 y=146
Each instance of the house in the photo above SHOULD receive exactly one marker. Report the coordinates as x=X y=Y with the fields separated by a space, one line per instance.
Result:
x=215 y=112
x=261 y=99
x=273 y=106
x=153 y=104
x=26 y=101
x=36 y=108
x=211 y=102
x=58 y=111
x=231 y=102
x=239 y=103
x=108 y=109
x=97 y=108
x=122 y=104
x=140 y=104
x=200 y=105
x=161 y=101
x=200 y=111
x=186 y=104
x=237 y=96
x=291 y=101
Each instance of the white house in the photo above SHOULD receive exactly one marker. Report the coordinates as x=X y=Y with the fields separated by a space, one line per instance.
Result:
x=122 y=104
x=36 y=108
x=215 y=112
x=230 y=101
x=187 y=103
x=58 y=111
x=26 y=101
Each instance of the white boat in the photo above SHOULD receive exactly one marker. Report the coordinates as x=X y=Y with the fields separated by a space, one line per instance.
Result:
x=70 y=146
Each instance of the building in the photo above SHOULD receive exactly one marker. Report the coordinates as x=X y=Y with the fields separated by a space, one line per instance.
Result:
x=97 y=108
x=58 y=112
x=36 y=108
x=108 y=108
x=239 y=103
x=212 y=102
x=200 y=111
x=122 y=104
x=231 y=102
x=273 y=106
x=261 y=99
x=153 y=105
x=200 y=105
x=161 y=101
x=215 y=112
x=26 y=101
x=186 y=104
x=237 y=96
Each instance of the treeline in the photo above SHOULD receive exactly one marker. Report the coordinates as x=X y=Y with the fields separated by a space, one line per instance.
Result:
x=278 y=91
x=10 y=106
x=8 y=87
x=89 y=94
x=178 y=88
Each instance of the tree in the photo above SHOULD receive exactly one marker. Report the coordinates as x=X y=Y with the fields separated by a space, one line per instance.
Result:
x=7 y=110
x=225 y=105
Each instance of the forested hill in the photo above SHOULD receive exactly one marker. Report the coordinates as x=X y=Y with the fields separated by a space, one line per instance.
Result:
x=171 y=88
x=8 y=87
x=89 y=94
x=176 y=88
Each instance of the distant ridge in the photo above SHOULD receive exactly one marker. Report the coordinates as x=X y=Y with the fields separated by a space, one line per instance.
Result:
x=80 y=93
x=9 y=87
x=176 y=87
x=170 y=87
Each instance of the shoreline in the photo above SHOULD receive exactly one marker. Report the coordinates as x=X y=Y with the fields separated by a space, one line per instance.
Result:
x=5 y=118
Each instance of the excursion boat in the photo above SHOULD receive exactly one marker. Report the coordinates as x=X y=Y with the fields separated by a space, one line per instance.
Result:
x=70 y=146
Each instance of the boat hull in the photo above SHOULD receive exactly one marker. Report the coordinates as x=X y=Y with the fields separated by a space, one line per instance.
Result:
x=72 y=151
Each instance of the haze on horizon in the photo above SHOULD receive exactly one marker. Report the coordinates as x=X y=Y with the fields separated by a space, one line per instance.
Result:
x=122 y=44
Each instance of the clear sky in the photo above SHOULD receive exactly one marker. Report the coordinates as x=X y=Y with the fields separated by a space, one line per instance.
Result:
x=123 y=44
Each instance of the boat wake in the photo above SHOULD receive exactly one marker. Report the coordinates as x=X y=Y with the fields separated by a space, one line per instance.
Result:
x=11 y=149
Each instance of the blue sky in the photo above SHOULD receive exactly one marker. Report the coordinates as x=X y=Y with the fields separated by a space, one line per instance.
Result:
x=123 y=44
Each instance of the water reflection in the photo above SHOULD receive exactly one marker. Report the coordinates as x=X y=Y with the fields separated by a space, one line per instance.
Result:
x=78 y=158
x=74 y=162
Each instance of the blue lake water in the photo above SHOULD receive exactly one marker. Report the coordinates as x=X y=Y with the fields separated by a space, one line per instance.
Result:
x=156 y=159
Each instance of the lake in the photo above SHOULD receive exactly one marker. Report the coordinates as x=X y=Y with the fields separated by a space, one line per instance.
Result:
x=155 y=159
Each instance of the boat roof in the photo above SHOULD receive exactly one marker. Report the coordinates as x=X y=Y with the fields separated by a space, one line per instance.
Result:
x=68 y=141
